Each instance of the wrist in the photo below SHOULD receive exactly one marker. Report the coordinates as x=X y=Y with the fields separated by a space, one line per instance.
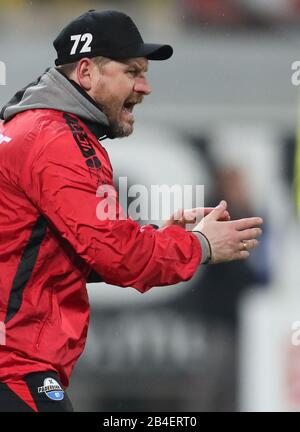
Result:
x=205 y=247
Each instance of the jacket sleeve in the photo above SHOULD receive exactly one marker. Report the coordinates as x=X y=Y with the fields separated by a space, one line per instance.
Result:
x=59 y=182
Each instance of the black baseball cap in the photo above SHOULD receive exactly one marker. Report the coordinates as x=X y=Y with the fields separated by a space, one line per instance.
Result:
x=109 y=34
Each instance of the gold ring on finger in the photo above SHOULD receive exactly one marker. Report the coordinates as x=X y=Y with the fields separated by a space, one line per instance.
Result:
x=244 y=243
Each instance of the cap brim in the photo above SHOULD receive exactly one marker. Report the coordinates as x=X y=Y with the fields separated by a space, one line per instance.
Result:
x=150 y=51
x=155 y=51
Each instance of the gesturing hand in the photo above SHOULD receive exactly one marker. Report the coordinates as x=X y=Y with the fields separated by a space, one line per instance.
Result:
x=229 y=240
x=184 y=217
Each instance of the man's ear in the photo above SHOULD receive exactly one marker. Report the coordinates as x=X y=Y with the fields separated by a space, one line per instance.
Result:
x=84 y=73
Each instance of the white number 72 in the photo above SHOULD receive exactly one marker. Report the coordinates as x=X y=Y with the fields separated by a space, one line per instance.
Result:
x=86 y=37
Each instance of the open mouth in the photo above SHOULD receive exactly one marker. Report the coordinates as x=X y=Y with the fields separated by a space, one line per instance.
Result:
x=128 y=107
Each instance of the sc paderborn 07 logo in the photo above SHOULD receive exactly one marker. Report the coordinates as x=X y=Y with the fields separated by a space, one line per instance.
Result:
x=52 y=389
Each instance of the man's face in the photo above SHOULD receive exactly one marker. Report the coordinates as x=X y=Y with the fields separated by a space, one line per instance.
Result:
x=118 y=87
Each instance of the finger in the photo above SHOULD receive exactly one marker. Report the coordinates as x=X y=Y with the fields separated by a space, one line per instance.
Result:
x=178 y=214
x=207 y=210
x=225 y=216
x=248 y=245
x=242 y=224
x=249 y=234
x=193 y=215
x=197 y=213
x=217 y=212
x=241 y=255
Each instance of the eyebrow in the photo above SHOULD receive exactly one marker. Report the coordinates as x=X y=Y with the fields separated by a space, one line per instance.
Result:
x=138 y=66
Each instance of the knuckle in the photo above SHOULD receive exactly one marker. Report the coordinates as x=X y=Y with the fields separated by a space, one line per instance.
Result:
x=257 y=232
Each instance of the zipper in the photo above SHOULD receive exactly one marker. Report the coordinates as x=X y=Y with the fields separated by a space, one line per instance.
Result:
x=46 y=321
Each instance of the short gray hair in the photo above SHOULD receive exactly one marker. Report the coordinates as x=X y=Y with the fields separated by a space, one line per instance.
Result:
x=69 y=68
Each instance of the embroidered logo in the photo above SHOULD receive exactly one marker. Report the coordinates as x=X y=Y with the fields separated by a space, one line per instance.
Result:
x=52 y=389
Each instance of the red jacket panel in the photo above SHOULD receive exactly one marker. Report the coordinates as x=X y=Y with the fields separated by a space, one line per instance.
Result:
x=51 y=237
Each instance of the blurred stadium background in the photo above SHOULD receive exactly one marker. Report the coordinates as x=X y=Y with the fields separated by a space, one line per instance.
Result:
x=223 y=113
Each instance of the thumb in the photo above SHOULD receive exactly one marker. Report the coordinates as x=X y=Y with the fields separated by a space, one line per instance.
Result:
x=216 y=213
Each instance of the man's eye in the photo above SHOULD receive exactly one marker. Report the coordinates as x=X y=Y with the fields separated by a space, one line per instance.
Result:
x=133 y=71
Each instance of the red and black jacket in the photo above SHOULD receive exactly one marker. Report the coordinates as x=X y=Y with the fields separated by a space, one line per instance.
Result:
x=51 y=240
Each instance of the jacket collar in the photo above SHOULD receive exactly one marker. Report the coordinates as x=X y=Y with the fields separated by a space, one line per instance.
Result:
x=99 y=130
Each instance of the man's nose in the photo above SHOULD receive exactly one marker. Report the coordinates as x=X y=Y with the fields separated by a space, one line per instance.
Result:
x=141 y=85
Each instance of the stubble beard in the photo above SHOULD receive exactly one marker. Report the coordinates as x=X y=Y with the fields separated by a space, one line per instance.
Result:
x=118 y=128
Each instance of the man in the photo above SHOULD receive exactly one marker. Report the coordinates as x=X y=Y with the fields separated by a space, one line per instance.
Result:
x=53 y=239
